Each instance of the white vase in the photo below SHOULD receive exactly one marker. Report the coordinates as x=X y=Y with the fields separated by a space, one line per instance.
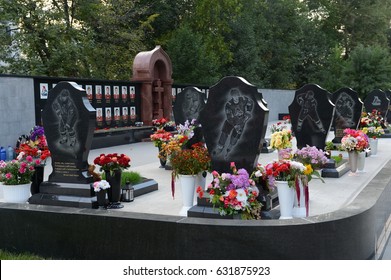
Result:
x=16 y=193
x=286 y=199
x=299 y=206
x=361 y=161
x=200 y=181
x=188 y=189
x=373 y=144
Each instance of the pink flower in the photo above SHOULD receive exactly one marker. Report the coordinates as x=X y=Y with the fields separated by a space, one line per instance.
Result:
x=22 y=170
x=37 y=161
x=8 y=175
x=29 y=158
x=215 y=173
x=232 y=164
x=23 y=165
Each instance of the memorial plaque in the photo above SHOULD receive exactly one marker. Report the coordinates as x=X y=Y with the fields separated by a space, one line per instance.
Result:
x=188 y=105
x=348 y=109
x=311 y=114
x=377 y=100
x=234 y=122
x=69 y=123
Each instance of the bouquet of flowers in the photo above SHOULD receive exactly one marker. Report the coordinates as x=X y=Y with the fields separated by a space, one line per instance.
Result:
x=160 y=136
x=111 y=162
x=35 y=145
x=373 y=131
x=190 y=161
x=373 y=118
x=234 y=193
x=100 y=185
x=354 y=140
x=280 y=126
x=311 y=155
x=159 y=123
x=18 y=172
x=281 y=139
x=285 y=170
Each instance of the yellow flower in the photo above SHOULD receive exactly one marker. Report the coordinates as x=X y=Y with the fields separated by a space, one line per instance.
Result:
x=308 y=169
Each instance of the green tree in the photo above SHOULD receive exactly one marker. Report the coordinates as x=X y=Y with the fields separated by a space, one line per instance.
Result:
x=368 y=68
x=70 y=38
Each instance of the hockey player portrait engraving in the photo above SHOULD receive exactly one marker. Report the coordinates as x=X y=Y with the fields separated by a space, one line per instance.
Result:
x=238 y=112
x=308 y=110
x=192 y=105
x=344 y=110
x=66 y=111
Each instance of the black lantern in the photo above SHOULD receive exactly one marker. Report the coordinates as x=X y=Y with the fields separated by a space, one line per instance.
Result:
x=127 y=192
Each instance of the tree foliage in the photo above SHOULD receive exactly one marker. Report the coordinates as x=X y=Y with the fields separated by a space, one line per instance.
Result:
x=271 y=43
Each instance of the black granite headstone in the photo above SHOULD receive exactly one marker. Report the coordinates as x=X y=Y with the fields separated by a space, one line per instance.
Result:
x=348 y=109
x=188 y=105
x=377 y=100
x=311 y=114
x=388 y=117
x=234 y=122
x=69 y=123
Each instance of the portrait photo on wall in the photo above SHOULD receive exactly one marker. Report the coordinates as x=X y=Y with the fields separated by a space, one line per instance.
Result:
x=99 y=115
x=116 y=93
x=44 y=90
x=124 y=93
x=108 y=114
x=98 y=93
x=117 y=114
x=107 y=94
x=132 y=93
x=89 y=92
x=125 y=114
x=133 y=113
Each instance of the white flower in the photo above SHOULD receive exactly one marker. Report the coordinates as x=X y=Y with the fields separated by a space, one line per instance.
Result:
x=297 y=165
x=20 y=156
x=258 y=173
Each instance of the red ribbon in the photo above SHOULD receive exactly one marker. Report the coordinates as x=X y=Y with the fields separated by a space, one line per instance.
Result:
x=173 y=185
x=297 y=190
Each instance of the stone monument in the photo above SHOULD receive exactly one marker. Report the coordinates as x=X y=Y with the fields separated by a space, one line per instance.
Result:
x=311 y=114
x=377 y=100
x=234 y=123
x=69 y=123
x=188 y=105
x=348 y=109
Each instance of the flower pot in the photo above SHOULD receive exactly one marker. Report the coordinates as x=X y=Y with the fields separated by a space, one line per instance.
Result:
x=16 y=193
x=114 y=192
x=373 y=144
x=188 y=189
x=353 y=158
x=37 y=179
x=361 y=161
x=286 y=199
x=301 y=201
x=101 y=198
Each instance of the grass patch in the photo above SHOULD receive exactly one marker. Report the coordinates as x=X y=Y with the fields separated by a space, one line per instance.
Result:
x=5 y=255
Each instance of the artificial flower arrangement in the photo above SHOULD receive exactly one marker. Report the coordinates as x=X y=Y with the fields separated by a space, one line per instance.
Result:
x=285 y=170
x=159 y=123
x=111 y=162
x=160 y=136
x=373 y=131
x=312 y=158
x=100 y=185
x=354 y=140
x=281 y=139
x=18 y=171
x=281 y=125
x=373 y=118
x=234 y=193
x=35 y=145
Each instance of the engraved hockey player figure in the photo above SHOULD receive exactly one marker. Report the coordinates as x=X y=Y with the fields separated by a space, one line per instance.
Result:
x=344 y=110
x=308 y=110
x=192 y=105
x=238 y=112
x=66 y=111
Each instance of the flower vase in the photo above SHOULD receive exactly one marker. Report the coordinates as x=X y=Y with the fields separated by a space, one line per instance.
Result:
x=114 y=192
x=373 y=144
x=16 y=193
x=286 y=199
x=200 y=181
x=353 y=159
x=361 y=161
x=101 y=198
x=37 y=179
x=301 y=200
x=162 y=160
x=188 y=189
